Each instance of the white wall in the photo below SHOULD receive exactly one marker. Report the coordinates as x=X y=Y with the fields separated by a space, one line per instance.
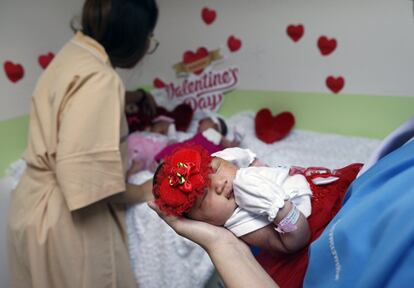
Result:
x=28 y=29
x=374 y=53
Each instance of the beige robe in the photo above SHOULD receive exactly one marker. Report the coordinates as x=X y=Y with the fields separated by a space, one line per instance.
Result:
x=60 y=233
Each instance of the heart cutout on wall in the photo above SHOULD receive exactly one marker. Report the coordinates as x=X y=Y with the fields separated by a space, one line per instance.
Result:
x=14 y=71
x=158 y=83
x=326 y=46
x=335 y=84
x=271 y=128
x=234 y=43
x=190 y=57
x=208 y=15
x=295 y=32
x=45 y=59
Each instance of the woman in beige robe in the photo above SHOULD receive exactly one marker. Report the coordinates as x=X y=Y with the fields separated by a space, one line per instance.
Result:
x=66 y=222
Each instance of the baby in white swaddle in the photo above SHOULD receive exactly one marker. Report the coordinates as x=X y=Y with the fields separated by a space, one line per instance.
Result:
x=265 y=206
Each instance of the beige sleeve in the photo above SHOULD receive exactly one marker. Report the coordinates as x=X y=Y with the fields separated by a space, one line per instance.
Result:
x=89 y=163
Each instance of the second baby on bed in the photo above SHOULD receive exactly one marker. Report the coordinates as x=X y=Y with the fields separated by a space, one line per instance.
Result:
x=147 y=148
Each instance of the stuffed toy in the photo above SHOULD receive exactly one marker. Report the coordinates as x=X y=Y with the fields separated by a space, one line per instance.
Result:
x=138 y=121
x=271 y=128
x=182 y=115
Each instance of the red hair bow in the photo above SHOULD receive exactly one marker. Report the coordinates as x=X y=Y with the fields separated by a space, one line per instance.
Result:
x=181 y=179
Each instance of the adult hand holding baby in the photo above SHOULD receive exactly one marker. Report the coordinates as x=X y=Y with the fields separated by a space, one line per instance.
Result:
x=229 y=254
x=206 y=235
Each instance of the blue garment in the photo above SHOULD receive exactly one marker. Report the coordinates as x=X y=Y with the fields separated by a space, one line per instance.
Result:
x=370 y=242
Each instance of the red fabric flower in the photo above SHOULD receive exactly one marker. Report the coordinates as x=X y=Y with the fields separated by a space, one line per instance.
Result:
x=182 y=178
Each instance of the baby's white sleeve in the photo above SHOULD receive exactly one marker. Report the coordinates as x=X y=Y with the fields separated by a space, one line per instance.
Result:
x=243 y=222
x=258 y=190
x=263 y=190
x=238 y=156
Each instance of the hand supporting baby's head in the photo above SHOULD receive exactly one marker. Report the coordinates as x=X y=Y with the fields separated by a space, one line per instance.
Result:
x=192 y=183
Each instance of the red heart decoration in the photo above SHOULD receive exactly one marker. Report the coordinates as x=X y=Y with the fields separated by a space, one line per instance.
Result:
x=335 y=84
x=44 y=60
x=208 y=15
x=14 y=72
x=295 y=32
x=182 y=114
x=326 y=46
x=190 y=56
x=233 y=43
x=158 y=83
x=272 y=128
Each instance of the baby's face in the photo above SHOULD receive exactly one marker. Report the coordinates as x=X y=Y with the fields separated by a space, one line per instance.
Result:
x=160 y=127
x=218 y=203
x=205 y=124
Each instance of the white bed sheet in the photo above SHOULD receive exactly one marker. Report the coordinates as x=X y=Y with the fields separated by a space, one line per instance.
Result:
x=304 y=148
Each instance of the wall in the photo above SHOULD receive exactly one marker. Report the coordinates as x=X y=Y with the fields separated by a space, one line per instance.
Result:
x=29 y=29
x=375 y=40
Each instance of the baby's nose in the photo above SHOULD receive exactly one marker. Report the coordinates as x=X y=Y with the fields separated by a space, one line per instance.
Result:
x=220 y=185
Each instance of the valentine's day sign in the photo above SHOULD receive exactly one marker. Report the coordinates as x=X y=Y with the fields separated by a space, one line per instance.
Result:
x=201 y=91
x=196 y=62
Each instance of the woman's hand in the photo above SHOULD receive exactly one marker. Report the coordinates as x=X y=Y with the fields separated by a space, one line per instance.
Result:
x=231 y=257
x=206 y=235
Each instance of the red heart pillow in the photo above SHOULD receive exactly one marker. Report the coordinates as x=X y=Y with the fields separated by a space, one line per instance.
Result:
x=272 y=128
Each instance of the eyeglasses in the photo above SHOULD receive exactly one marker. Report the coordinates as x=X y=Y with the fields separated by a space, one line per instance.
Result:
x=153 y=45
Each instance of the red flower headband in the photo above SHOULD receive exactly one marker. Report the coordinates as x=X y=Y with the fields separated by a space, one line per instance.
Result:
x=181 y=179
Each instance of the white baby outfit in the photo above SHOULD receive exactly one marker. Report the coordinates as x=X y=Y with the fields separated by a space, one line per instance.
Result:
x=261 y=181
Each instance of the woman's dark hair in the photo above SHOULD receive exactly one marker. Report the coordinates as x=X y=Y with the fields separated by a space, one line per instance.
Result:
x=122 y=27
x=223 y=126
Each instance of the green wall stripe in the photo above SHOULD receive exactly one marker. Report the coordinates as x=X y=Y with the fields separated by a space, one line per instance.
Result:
x=358 y=115
x=13 y=141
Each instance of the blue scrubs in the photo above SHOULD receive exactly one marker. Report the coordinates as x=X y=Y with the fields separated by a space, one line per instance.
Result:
x=370 y=242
